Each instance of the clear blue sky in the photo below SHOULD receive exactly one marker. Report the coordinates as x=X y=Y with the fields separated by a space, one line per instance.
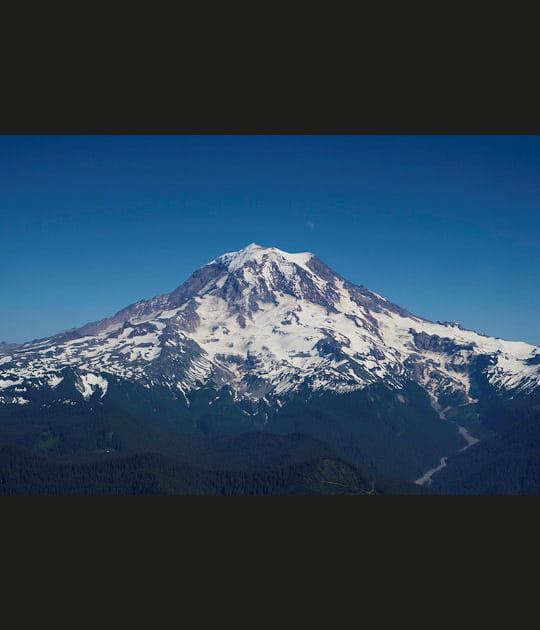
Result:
x=445 y=226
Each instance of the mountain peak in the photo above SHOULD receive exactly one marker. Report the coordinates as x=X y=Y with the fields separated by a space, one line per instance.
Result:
x=258 y=254
x=266 y=322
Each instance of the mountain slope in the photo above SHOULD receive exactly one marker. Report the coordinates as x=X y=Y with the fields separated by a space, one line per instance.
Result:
x=264 y=321
x=253 y=334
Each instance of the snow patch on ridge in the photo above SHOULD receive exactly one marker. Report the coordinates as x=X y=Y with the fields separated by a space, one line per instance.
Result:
x=5 y=383
x=88 y=383
x=54 y=381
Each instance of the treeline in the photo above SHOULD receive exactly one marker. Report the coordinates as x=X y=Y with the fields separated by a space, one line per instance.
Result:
x=25 y=472
x=399 y=437
x=374 y=428
x=508 y=463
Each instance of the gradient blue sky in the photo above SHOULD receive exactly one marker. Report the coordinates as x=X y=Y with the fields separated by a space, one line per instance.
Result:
x=445 y=226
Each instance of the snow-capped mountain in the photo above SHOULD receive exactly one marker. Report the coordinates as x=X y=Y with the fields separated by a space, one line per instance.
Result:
x=266 y=323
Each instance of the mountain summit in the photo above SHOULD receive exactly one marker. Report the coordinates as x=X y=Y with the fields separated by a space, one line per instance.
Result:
x=267 y=323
